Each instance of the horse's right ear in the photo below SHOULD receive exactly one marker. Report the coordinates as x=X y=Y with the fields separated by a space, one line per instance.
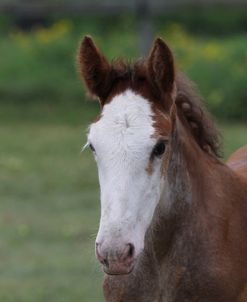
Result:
x=94 y=68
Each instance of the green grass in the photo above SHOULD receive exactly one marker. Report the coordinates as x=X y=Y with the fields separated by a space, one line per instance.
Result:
x=49 y=209
x=48 y=214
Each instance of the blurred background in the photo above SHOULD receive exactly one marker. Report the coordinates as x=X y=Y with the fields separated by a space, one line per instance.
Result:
x=49 y=197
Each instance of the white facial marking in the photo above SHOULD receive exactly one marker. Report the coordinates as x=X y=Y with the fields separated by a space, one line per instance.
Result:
x=123 y=141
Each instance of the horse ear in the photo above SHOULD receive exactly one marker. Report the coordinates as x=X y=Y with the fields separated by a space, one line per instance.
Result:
x=93 y=67
x=161 y=66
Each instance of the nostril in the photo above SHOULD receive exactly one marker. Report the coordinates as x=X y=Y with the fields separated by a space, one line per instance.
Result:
x=131 y=250
x=99 y=254
x=105 y=263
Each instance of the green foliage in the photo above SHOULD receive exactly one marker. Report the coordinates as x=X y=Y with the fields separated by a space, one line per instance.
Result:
x=208 y=20
x=39 y=66
x=217 y=66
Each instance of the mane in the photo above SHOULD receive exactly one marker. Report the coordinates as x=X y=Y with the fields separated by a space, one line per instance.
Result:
x=188 y=100
x=201 y=124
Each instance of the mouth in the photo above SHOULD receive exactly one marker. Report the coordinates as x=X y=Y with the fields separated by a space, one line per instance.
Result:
x=118 y=269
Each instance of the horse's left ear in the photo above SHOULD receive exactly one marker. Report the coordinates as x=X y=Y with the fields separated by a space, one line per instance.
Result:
x=161 y=66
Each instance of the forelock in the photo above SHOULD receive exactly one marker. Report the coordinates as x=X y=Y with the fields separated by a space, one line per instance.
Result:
x=127 y=118
x=132 y=76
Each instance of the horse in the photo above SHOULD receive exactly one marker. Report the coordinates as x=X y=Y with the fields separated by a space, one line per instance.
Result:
x=173 y=224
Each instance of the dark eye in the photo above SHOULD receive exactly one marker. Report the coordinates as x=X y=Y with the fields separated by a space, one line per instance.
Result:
x=91 y=147
x=159 y=148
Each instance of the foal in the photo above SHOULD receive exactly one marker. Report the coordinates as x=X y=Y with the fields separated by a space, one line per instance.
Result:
x=173 y=224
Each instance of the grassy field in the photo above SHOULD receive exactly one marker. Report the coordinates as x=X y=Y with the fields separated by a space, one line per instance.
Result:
x=49 y=207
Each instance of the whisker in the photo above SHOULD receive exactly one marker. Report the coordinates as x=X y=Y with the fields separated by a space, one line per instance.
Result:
x=85 y=147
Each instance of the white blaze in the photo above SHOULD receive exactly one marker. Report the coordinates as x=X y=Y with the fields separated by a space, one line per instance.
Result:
x=123 y=140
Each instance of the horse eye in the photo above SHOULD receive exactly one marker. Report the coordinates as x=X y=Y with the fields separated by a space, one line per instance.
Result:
x=159 y=148
x=91 y=147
